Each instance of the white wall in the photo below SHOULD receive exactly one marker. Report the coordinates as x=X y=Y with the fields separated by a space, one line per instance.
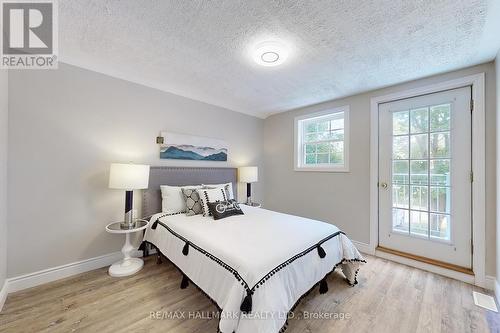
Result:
x=3 y=174
x=65 y=127
x=344 y=198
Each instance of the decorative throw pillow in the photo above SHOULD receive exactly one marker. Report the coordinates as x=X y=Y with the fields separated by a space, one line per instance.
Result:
x=227 y=186
x=211 y=195
x=194 y=205
x=172 y=200
x=223 y=209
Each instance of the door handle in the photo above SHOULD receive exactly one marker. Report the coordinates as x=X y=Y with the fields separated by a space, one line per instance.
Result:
x=384 y=185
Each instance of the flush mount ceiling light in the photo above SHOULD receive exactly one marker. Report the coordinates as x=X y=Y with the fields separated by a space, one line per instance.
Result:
x=270 y=53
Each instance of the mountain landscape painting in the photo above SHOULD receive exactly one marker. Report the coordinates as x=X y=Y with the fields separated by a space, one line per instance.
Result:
x=188 y=147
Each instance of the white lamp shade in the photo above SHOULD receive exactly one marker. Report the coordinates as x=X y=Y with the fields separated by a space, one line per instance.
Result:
x=248 y=174
x=128 y=176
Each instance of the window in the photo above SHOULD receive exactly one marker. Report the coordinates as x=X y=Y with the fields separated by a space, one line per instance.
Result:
x=322 y=141
x=421 y=172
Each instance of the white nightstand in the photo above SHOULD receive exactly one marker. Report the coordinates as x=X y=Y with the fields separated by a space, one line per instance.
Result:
x=128 y=265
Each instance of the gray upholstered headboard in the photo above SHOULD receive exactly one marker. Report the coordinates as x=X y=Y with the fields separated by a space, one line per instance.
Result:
x=179 y=176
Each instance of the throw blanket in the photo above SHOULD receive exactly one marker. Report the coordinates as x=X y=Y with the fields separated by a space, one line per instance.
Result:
x=256 y=266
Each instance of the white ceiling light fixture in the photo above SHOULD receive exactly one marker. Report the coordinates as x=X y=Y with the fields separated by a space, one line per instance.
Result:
x=270 y=53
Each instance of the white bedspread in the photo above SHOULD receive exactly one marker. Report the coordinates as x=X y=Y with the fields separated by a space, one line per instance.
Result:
x=271 y=256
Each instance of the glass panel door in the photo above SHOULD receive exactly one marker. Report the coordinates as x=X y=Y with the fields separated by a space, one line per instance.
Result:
x=424 y=176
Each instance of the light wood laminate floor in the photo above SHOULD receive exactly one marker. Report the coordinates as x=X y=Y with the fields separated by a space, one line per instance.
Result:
x=389 y=298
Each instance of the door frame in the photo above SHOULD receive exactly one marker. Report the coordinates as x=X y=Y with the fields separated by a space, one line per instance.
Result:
x=477 y=82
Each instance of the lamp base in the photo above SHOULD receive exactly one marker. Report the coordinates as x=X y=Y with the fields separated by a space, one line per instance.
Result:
x=126 y=267
x=128 y=222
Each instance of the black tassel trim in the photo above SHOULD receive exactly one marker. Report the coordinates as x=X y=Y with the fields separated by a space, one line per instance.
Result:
x=247 y=302
x=185 y=249
x=208 y=255
x=323 y=286
x=321 y=252
x=246 y=306
x=295 y=257
x=355 y=279
x=285 y=326
x=185 y=282
x=155 y=224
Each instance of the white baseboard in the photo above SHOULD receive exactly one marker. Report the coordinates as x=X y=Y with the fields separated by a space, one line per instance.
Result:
x=489 y=282
x=60 y=272
x=497 y=291
x=363 y=247
x=3 y=294
x=34 y=279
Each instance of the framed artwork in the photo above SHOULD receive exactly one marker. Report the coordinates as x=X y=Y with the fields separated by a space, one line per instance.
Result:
x=188 y=147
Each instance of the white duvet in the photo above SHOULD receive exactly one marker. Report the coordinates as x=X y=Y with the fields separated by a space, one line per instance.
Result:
x=270 y=256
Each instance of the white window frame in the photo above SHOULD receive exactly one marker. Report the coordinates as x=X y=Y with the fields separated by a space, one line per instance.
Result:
x=298 y=159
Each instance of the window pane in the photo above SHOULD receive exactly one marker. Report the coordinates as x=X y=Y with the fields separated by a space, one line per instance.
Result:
x=440 y=199
x=400 y=147
x=419 y=146
x=419 y=174
x=440 y=226
x=323 y=148
x=322 y=158
x=400 y=196
x=440 y=145
x=311 y=137
x=323 y=126
x=310 y=158
x=400 y=122
x=336 y=135
x=400 y=172
x=419 y=120
x=440 y=118
x=311 y=148
x=419 y=223
x=400 y=220
x=321 y=136
x=440 y=172
x=419 y=196
x=311 y=127
x=337 y=152
x=337 y=123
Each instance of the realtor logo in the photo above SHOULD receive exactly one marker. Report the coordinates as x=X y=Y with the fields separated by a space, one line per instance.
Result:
x=29 y=34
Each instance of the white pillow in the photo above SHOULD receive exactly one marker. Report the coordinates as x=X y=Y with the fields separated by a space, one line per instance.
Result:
x=172 y=200
x=211 y=195
x=229 y=189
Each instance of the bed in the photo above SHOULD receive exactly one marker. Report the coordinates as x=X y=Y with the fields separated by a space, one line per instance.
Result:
x=255 y=267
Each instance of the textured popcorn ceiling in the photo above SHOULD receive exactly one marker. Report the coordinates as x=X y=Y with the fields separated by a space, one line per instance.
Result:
x=200 y=49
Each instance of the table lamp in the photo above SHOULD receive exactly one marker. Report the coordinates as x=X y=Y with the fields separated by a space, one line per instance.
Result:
x=248 y=175
x=128 y=177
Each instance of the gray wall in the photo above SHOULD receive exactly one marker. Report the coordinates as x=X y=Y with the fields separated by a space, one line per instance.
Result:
x=344 y=198
x=65 y=127
x=3 y=174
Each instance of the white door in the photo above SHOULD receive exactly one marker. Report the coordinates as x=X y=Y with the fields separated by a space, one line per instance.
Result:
x=425 y=176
